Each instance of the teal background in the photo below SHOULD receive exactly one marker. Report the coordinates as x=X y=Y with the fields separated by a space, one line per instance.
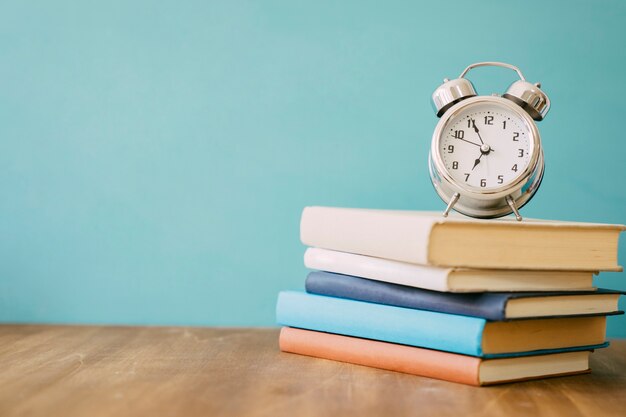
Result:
x=155 y=157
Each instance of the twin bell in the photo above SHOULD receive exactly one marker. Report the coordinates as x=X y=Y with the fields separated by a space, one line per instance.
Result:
x=523 y=93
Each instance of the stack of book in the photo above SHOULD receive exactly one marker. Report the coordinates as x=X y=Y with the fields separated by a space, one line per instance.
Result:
x=472 y=301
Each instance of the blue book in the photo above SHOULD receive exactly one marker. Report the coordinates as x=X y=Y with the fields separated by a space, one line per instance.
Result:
x=447 y=332
x=495 y=306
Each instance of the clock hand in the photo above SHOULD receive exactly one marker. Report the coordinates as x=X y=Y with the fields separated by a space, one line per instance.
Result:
x=477 y=132
x=477 y=161
x=464 y=140
x=484 y=150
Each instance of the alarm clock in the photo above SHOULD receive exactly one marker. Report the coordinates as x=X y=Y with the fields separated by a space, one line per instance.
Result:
x=486 y=159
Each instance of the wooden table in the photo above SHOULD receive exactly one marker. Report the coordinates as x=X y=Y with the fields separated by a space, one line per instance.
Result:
x=166 y=371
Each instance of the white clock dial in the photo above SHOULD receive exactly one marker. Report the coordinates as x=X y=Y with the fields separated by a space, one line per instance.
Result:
x=486 y=146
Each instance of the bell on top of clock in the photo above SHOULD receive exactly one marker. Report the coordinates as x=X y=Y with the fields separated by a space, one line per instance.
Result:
x=529 y=97
x=451 y=92
x=523 y=93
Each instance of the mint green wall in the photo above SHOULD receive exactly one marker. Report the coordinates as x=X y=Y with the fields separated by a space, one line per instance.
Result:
x=154 y=160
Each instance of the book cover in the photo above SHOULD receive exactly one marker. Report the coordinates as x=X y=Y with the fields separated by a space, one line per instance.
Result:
x=444 y=278
x=490 y=306
x=427 y=238
x=427 y=362
x=448 y=332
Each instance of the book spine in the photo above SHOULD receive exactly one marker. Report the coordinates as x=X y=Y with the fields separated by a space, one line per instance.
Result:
x=447 y=332
x=486 y=306
x=402 y=273
x=390 y=235
x=399 y=358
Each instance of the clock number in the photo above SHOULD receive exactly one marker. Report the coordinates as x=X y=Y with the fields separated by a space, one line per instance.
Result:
x=514 y=168
x=469 y=123
x=504 y=124
x=483 y=182
x=500 y=179
x=450 y=148
x=455 y=165
x=521 y=153
x=466 y=176
x=515 y=136
x=459 y=134
x=488 y=120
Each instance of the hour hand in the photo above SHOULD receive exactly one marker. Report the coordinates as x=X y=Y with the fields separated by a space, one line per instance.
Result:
x=477 y=161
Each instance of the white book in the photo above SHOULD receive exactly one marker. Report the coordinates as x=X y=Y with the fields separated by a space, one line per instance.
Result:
x=428 y=238
x=445 y=279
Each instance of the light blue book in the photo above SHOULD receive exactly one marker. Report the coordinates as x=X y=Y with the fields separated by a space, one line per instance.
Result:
x=447 y=332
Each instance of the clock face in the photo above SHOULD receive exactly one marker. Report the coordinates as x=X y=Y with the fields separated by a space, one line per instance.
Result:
x=486 y=146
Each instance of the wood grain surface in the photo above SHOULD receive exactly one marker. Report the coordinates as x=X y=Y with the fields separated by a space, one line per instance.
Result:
x=185 y=371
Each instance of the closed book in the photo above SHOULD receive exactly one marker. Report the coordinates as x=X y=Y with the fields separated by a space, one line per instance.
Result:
x=428 y=238
x=448 y=332
x=444 y=278
x=431 y=363
x=491 y=306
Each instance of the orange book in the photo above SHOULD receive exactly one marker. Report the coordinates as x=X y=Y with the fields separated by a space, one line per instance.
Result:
x=430 y=363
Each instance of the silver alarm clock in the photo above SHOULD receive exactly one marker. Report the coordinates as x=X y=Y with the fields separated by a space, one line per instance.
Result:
x=486 y=159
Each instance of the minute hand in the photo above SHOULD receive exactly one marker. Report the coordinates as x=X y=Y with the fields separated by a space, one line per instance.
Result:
x=477 y=132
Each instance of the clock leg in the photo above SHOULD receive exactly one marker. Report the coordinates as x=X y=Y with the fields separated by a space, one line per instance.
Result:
x=511 y=204
x=451 y=204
